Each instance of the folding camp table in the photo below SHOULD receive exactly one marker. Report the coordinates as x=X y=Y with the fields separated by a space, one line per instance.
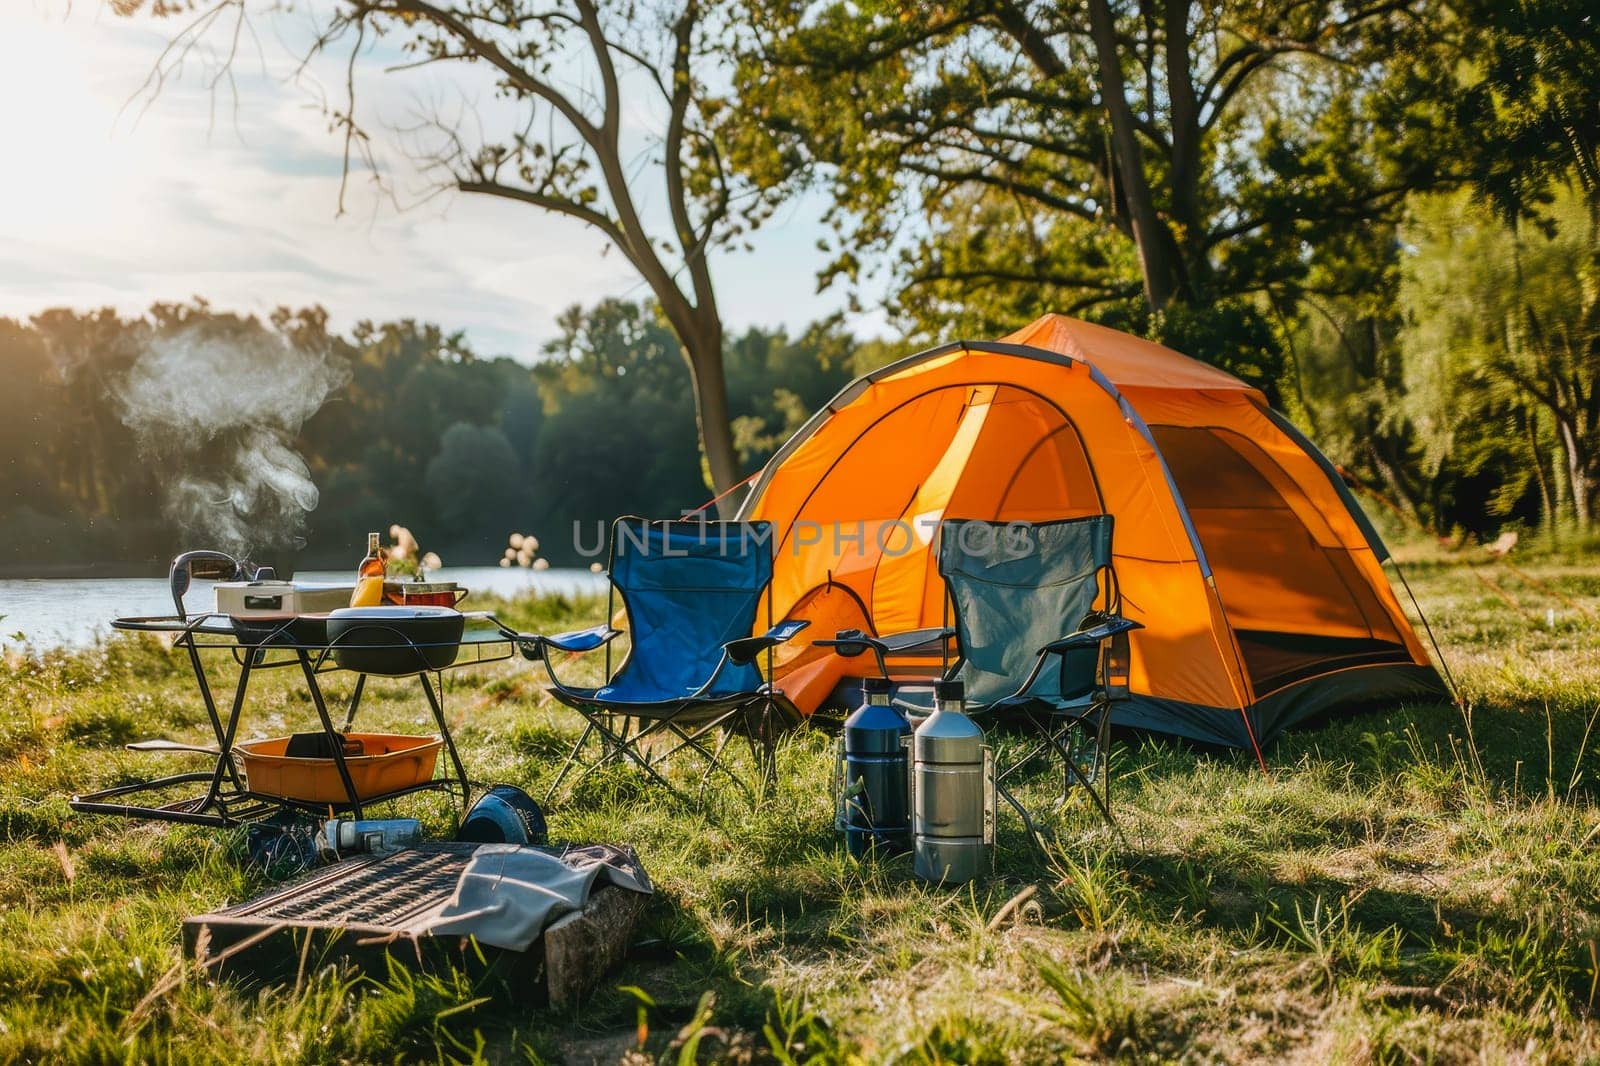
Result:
x=227 y=799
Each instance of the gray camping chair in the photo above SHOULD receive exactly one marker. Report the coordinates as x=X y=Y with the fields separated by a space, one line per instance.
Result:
x=1039 y=638
x=1033 y=643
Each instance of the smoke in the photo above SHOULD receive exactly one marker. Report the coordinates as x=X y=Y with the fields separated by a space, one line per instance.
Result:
x=218 y=414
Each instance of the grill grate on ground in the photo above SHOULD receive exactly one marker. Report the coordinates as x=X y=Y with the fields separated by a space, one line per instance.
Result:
x=382 y=891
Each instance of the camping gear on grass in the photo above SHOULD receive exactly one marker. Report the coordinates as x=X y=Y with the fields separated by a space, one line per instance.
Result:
x=871 y=779
x=395 y=641
x=283 y=844
x=387 y=763
x=374 y=910
x=953 y=794
x=690 y=681
x=508 y=894
x=340 y=838
x=1259 y=581
x=1040 y=636
x=223 y=794
x=1039 y=639
x=504 y=815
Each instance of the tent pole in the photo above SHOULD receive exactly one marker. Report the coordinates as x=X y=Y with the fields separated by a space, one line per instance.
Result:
x=1449 y=678
x=1238 y=660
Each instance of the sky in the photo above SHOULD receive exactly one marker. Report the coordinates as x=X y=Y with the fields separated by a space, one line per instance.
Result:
x=105 y=201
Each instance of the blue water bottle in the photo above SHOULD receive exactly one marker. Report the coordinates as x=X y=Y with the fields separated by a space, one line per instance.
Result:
x=871 y=777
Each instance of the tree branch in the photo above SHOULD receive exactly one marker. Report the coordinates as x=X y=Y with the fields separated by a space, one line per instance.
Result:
x=689 y=241
x=979 y=177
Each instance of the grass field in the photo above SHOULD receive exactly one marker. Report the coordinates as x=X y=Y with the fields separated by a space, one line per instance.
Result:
x=1420 y=885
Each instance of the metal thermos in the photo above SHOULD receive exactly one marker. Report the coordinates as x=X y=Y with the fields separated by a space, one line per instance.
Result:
x=380 y=836
x=953 y=806
x=870 y=782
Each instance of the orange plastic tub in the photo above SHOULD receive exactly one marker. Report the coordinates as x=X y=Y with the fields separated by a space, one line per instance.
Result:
x=389 y=762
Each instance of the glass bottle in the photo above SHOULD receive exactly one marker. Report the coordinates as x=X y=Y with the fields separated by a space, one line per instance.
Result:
x=369 y=577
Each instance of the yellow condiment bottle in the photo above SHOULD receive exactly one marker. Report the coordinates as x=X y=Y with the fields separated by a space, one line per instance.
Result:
x=369 y=578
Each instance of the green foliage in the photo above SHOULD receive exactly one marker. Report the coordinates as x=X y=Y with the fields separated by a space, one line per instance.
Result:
x=1502 y=358
x=1101 y=1013
x=1530 y=98
x=973 y=143
x=973 y=153
x=468 y=481
x=618 y=434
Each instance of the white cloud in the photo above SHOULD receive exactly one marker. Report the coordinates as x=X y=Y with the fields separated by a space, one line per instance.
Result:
x=102 y=205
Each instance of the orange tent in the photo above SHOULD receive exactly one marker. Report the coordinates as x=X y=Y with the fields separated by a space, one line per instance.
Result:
x=1258 y=579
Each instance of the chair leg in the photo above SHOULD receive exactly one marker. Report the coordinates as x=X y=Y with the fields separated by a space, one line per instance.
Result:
x=714 y=761
x=764 y=744
x=571 y=760
x=1104 y=804
x=614 y=746
x=1104 y=740
x=628 y=748
x=1036 y=837
x=623 y=737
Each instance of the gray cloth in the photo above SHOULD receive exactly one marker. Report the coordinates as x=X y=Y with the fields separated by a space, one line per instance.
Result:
x=509 y=894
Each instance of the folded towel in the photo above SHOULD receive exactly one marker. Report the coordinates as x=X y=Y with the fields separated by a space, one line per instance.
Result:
x=509 y=894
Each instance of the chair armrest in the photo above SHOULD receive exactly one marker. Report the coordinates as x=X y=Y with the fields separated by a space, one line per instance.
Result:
x=533 y=645
x=1090 y=636
x=852 y=642
x=745 y=649
x=913 y=639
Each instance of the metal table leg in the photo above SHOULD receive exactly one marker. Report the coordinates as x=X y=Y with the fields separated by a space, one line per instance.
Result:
x=335 y=739
x=355 y=701
x=211 y=703
x=226 y=736
x=449 y=741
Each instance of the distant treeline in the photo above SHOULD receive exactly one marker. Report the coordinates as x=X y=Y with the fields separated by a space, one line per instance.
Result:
x=127 y=439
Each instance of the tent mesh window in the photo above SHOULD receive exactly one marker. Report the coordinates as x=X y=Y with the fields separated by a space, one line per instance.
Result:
x=1277 y=565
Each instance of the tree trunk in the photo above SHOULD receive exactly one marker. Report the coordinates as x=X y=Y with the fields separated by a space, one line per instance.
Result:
x=1186 y=138
x=702 y=348
x=1547 y=502
x=1158 y=253
x=1578 y=478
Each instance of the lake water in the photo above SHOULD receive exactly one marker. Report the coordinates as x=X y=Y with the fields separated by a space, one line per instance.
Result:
x=72 y=612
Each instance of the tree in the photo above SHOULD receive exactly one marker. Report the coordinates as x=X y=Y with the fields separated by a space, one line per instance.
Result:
x=470 y=482
x=1508 y=322
x=1121 y=159
x=593 y=462
x=564 y=67
x=1530 y=96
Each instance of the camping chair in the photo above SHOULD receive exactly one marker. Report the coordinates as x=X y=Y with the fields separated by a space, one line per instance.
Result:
x=1013 y=590
x=1031 y=642
x=690 y=681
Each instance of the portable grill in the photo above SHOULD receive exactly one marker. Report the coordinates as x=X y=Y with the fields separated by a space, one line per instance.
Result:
x=358 y=910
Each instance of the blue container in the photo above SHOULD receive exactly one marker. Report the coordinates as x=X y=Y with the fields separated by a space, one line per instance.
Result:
x=871 y=803
x=505 y=815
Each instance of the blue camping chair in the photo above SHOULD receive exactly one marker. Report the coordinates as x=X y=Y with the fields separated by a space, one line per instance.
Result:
x=691 y=591
x=1039 y=637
